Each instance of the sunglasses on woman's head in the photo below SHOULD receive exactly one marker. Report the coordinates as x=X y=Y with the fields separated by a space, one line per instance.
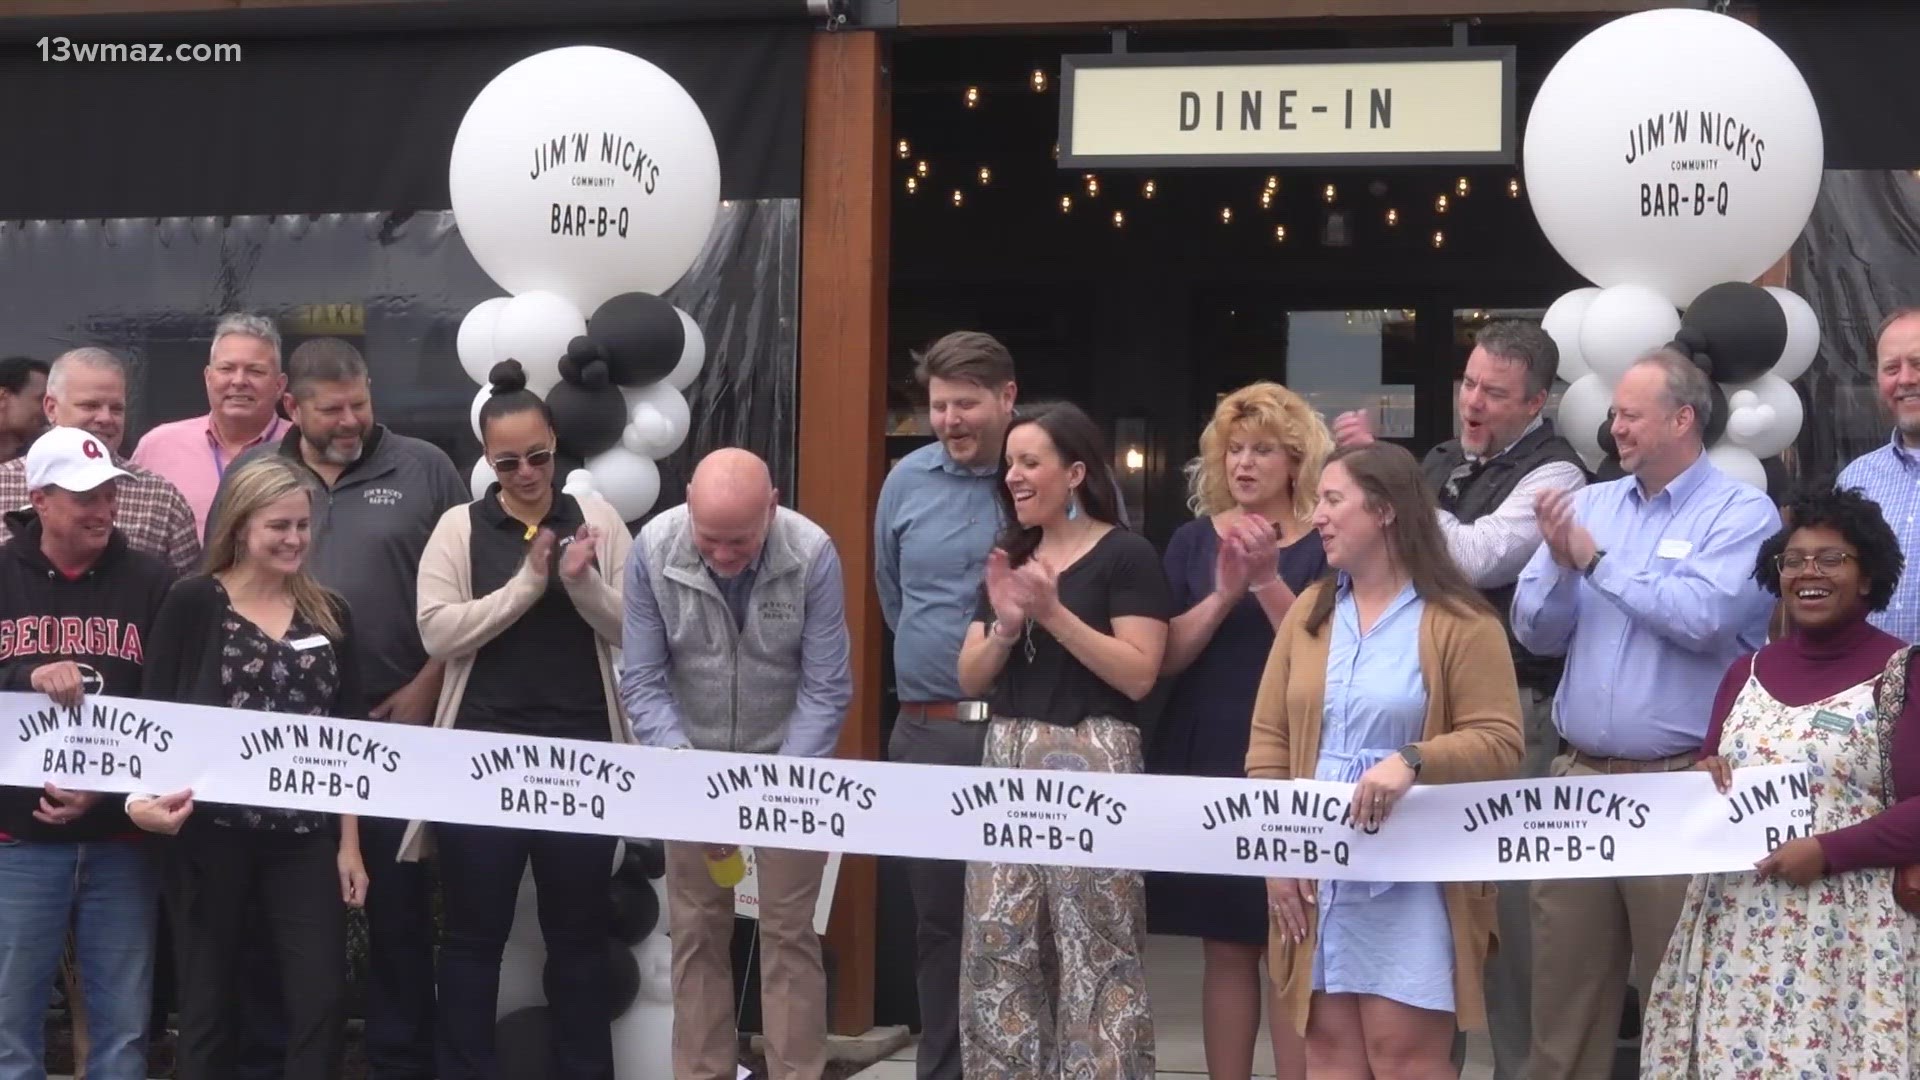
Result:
x=508 y=463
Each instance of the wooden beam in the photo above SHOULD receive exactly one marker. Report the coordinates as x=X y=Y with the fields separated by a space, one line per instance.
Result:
x=843 y=368
x=1029 y=13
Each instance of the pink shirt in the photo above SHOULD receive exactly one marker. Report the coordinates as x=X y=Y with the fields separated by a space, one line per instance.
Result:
x=186 y=453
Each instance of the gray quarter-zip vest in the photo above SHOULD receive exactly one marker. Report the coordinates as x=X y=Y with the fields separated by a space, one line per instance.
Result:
x=735 y=687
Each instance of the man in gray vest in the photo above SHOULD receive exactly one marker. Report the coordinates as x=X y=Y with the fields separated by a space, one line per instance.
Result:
x=735 y=639
x=1485 y=481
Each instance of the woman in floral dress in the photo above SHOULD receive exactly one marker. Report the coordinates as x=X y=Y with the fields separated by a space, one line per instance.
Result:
x=1806 y=967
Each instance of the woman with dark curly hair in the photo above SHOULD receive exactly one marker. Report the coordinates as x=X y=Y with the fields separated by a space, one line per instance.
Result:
x=1805 y=967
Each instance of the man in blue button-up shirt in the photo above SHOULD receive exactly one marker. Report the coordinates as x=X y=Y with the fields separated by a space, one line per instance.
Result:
x=1645 y=584
x=1890 y=475
x=936 y=522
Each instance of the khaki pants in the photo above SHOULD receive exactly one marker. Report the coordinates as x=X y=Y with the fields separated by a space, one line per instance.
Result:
x=1587 y=936
x=793 y=983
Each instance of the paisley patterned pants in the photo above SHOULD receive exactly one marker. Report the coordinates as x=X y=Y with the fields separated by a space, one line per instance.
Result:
x=1053 y=981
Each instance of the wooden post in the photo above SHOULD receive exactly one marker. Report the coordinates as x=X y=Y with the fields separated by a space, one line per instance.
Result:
x=843 y=369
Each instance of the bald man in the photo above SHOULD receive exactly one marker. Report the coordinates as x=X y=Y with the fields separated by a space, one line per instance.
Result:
x=736 y=640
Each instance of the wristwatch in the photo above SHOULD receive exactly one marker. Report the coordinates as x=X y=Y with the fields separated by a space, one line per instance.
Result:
x=1411 y=755
x=1598 y=554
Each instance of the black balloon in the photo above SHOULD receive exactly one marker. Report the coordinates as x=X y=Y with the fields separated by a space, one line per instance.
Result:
x=640 y=336
x=589 y=412
x=520 y=1046
x=1607 y=445
x=1717 y=416
x=1609 y=470
x=623 y=980
x=1735 y=330
x=636 y=907
x=649 y=855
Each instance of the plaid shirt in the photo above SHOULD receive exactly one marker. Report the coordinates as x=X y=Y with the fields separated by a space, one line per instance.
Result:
x=1890 y=476
x=151 y=512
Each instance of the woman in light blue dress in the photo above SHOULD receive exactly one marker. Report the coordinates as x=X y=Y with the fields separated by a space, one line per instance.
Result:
x=1392 y=670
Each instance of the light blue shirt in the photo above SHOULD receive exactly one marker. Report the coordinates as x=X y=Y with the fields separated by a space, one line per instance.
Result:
x=1650 y=634
x=931 y=534
x=826 y=681
x=1890 y=476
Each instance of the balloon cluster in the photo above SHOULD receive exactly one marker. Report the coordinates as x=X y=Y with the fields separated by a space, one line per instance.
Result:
x=640 y=959
x=1718 y=173
x=619 y=201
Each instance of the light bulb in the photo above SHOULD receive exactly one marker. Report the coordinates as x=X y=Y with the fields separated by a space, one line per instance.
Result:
x=1329 y=193
x=1273 y=183
x=1066 y=203
x=904 y=149
x=1461 y=187
x=1148 y=189
x=959 y=197
x=1135 y=459
x=1441 y=203
x=923 y=168
x=1226 y=215
x=1513 y=188
x=1119 y=219
x=1039 y=80
x=1439 y=239
x=913 y=185
x=1393 y=216
x=986 y=176
x=1279 y=234
x=1093 y=186
x=973 y=96
x=1266 y=200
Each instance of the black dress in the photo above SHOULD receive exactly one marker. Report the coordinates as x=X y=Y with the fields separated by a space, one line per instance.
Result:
x=1203 y=731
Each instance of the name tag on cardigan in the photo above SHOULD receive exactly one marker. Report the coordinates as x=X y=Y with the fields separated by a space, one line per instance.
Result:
x=1827 y=720
x=312 y=642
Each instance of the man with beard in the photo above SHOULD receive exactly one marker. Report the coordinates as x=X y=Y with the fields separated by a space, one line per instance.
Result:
x=380 y=494
x=936 y=522
x=1890 y=475
x=1486 y=481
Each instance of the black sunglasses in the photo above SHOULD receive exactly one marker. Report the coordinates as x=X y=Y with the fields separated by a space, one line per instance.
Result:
x=509 y=463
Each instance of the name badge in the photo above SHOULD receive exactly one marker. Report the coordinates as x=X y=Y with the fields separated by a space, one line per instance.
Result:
x=1827 y=720
x=313 y=642
x=1674 y=549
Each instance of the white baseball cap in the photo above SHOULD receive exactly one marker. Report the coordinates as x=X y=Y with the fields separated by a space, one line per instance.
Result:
x=70 y=459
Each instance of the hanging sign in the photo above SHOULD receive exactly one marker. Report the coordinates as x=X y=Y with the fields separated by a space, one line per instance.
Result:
x=1346 y=107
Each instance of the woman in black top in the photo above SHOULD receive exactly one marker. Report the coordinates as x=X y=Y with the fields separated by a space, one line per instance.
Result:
x=1068 y=640
x=257 y=632
x=520 y=595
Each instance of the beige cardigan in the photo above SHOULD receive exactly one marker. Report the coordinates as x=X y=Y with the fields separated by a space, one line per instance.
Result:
x=454 y=624
x=1472 y=733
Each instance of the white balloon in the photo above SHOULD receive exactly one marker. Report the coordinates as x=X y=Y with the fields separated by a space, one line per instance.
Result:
x=1744 y=424
x=579 y=484
x=473 y=411
x=1803 y=334
x=587 y=172
x=1562 y=324
x=1583 y=407
x=534 y=328
x=1673 y=148
x=660 y=420
x=1776 y=432
x=1741 y=399
x=630 y=481
x=481 y=478
x=474 y=342
x=1621 y=324
x=693 y=355
x=1739 y=463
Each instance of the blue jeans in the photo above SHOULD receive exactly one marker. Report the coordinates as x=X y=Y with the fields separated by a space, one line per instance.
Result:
x=111 y=889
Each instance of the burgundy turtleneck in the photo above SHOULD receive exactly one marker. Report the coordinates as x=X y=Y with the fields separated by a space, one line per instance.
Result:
x=1808 y=665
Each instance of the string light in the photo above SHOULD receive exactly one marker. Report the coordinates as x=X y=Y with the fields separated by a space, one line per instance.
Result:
x=1056 y=151
x=1461 y=187
x=1066 y=204
x=904 y=149
x=959 y=197
x=1148 y=189
x=1119 y=219
x=1439 y=239
x=1329 y=193
x=1441 y=203
x=1393 y=217
x=923 y=169
x=1093 y=186
x=1226 y=215
x=986 y=176
x=913 y=185
x=1266 y=200
x=973 y=96
x=1039 y=80
x=1279 y=234
x=1513 y=188
x=1273 y=183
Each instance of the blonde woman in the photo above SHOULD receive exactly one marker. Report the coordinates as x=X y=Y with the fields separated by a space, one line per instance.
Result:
x=1235 y=571
x=257 y=632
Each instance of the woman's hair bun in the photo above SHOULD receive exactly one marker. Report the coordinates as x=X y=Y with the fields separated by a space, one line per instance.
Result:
x=507 y=376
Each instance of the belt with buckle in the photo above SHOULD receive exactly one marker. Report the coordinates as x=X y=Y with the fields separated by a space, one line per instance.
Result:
x=964 y=712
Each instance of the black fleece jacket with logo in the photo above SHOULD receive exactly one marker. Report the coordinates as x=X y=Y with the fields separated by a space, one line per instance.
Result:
x=99 y=620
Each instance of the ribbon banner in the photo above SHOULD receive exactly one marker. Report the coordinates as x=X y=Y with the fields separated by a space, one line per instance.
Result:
x=1561 y=827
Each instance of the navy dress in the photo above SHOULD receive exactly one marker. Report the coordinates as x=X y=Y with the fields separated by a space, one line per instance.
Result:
x=1203 y=730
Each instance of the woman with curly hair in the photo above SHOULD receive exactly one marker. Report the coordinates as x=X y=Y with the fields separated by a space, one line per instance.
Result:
x=1235 y=571
x=1806 y=966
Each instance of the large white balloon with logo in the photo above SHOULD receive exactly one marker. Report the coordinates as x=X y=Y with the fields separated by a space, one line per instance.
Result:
x=1674 y=149
x=586 y=172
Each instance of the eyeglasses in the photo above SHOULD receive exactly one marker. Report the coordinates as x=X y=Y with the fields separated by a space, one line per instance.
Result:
x=1794 y=562
x=510 y=463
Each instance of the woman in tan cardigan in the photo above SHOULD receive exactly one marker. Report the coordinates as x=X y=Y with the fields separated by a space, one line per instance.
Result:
x=1392 y=670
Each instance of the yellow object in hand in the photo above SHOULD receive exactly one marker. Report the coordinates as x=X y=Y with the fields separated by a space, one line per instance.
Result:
x=727 y=871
